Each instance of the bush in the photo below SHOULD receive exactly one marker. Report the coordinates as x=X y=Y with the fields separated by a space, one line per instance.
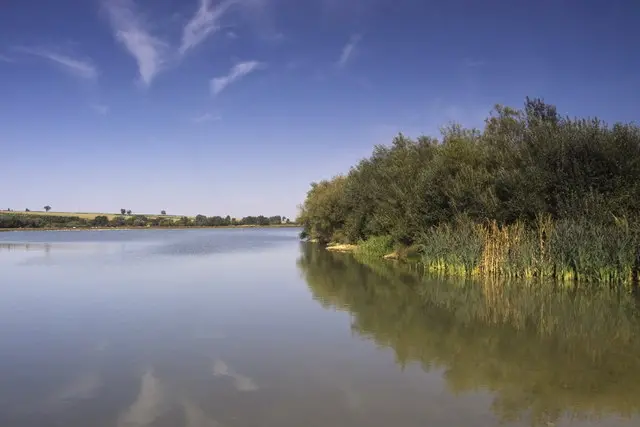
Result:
x=531 y=194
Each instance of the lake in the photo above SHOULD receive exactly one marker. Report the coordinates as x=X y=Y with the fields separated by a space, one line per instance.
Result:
x=250 y=327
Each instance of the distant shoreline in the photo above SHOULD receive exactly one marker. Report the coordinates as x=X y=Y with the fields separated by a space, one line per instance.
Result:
x=147 y=228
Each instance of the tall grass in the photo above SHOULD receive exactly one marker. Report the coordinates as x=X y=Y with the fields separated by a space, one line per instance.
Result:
x=375 y=247
x=565 y=250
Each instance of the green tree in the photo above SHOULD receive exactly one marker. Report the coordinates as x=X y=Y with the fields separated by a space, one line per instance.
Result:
x=200 y=221
x=100 y=221
x=123 y=211
x=47 y=208
x=523 y=165
x=163 y=212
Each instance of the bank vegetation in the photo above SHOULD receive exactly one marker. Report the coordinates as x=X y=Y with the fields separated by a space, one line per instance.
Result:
x=532 y=194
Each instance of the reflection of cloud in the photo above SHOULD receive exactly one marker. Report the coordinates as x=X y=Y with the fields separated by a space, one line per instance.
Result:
x=147 y=406
x=353 y=399
x=240 y=382
x=220 y=368
x=196 y=417
x=101 y=345
x=84 y=386
x=209 y=335
x=243 y=383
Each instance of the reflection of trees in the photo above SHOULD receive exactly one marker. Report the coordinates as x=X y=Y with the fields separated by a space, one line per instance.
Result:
x=544 y=353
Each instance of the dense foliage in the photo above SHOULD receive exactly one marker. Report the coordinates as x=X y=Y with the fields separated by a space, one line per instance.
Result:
x=530 y=178
x=16 y=220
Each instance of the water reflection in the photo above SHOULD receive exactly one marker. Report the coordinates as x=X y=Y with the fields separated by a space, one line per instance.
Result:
x=546 y=354
x=26 y=247
x=111 y=335
x=148 y=406
x=240 y=382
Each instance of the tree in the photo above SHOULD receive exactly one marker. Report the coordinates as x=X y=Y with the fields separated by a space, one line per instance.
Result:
x=163 y=212
x=129 y=212
x=123 y=211
x=117 y=221
x=101 y=221
x=47 y=208
x=200 y=221
x=27 y=210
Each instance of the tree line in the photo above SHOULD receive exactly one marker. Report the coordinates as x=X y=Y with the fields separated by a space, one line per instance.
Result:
x=532 y=193
x=17 y=220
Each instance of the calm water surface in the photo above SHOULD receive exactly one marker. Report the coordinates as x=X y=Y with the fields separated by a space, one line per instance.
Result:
x=234 y=328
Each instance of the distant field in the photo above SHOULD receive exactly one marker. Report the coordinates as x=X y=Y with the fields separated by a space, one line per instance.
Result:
x=86 y=215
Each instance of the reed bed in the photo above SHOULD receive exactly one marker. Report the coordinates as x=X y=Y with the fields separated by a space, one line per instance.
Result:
x=567 y=251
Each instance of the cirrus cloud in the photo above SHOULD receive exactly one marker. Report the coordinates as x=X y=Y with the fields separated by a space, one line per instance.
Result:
x=348 y=50
x=149 y=51
x=80 y=67
x=204 y=23
x=237 y=72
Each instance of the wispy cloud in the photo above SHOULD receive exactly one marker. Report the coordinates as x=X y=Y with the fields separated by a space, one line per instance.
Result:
x=218 y=84
x=5 y=58
x=101 y=109
x=204 y=118
x=129 y=29
x=348 y=50
x=473 y=63
x=83 y=68
x=204 y=23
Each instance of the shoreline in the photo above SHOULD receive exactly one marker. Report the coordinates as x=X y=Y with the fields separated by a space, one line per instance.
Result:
x=440 y=267
x=144 y=228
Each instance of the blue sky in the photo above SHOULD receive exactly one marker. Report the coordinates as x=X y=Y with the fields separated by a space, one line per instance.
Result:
x=234 y=107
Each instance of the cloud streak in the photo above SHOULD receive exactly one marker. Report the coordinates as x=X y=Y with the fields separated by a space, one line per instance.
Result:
x=348 y=50
x=5 y=58
x=204 y=118
x=130 y=30
x=237 y=72
x=101 y=109
x=203 y=24
x=82 y=68
x=474 y=63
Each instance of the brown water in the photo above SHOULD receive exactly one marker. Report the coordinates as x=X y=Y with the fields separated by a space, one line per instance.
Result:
x=202 y=328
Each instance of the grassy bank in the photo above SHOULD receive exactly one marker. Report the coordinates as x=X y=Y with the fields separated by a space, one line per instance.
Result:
x=52 y=221
x=84 y=215
x=564 y=251
x=176 y=227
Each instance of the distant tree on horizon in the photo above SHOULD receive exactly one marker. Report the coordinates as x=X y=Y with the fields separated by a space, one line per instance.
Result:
x=27 y=210
x=163 y=212
x=129 y=212
x=123 y=211
x=47 y=208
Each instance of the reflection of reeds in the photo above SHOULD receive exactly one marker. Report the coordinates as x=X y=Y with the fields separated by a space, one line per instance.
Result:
x=564 y=250
x=544 y=350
